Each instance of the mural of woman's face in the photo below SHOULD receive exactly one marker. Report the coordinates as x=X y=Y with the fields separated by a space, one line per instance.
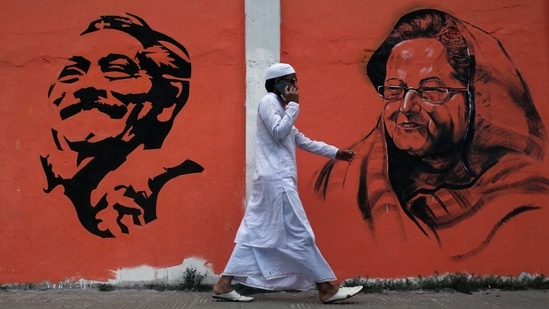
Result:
x=99 y=88
x=418 y=125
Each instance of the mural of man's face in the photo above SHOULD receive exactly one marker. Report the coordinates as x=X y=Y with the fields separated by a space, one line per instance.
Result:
x=118 y=93
x=416 y=125
x=100 y=92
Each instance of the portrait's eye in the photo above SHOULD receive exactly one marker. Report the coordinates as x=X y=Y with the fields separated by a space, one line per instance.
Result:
x=70 y=74
x=433 y=91
x=394 y=89
x=119 y=67
x=433 y=94
x=392 y=92
x=77 y=67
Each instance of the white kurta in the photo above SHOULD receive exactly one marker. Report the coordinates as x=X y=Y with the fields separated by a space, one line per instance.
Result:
x=275 y=245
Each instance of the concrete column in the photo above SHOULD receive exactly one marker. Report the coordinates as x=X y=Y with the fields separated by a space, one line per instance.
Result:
x=262 y=50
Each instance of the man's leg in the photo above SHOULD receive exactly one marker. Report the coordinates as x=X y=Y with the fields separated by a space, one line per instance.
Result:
x=223 y=285
x=326 y=290
x=329 y=293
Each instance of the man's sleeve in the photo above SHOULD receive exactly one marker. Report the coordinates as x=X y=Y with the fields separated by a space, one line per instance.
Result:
x=278 y=124
x=316 y=147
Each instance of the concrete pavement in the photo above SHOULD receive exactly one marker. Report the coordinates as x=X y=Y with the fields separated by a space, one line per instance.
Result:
x=151 y=299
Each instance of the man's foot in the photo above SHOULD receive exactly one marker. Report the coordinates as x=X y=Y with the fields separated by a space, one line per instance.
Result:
x=343 y=293
x=233 y=296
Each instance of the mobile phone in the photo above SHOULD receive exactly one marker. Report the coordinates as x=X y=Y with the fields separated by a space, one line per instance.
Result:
x=281 y=87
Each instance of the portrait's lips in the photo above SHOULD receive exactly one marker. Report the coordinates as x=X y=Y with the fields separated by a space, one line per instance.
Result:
x=410 y=125
x=114 y=111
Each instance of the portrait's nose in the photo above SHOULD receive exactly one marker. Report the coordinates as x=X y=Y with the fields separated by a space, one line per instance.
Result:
x=92 y=78
x=91 y=86
x=410 y=104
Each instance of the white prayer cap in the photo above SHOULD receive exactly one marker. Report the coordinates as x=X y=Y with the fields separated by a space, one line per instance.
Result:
x=279 y=69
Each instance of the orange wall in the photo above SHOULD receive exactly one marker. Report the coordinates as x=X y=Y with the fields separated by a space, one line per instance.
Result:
x=328 y=43
x=40 y=236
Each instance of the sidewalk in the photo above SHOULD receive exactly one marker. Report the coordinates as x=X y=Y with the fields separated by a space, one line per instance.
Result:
x=150 y=299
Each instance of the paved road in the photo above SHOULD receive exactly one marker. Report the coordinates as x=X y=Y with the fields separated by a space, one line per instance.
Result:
x=151 y=299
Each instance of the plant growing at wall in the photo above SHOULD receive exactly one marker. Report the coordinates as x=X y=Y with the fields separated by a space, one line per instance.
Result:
x=192 y=279
x=105 y=287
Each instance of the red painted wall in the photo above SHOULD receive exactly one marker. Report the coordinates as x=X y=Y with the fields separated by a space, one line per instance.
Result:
x=330 y=44
x=41 y=238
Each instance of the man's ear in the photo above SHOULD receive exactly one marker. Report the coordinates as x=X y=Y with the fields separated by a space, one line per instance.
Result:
x=179 y=86
x=182 y=85
x=180 y=98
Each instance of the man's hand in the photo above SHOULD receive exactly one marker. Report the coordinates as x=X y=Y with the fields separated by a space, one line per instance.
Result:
x=345 y=154
x=291 y=95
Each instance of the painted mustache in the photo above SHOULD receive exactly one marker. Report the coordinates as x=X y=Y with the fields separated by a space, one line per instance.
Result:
x=90 y=98
x=114 y=111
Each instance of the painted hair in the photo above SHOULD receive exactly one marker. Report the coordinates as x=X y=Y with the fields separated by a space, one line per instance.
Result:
x=426 y=23
x=161 y=51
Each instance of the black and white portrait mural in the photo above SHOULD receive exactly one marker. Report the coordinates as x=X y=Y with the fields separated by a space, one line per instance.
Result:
x=117 y=96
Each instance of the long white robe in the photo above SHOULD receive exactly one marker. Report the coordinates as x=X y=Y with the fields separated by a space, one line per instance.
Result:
x=275 y=244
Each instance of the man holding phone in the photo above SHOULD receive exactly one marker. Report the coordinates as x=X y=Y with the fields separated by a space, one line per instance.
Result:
x=286 y=88
x=275 y=244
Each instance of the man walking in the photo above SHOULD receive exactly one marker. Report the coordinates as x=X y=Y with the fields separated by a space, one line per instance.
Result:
x=275 y=244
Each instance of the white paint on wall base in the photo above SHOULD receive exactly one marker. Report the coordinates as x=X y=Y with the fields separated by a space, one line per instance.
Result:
x=169 y=275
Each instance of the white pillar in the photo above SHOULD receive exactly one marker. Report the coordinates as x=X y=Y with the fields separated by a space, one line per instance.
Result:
x=262 y=50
